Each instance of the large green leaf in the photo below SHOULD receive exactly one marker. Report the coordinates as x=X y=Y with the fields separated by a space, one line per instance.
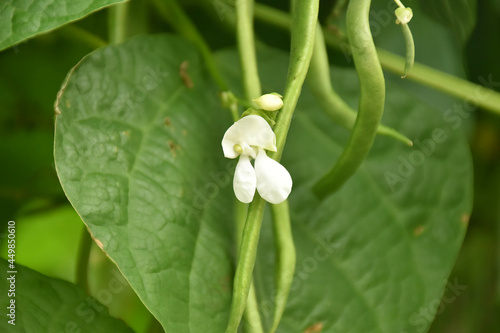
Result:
x=139 y=157
x=22 y=19
x=138 y=154
x=42 y=304
x=375 y=256
x=458 y=15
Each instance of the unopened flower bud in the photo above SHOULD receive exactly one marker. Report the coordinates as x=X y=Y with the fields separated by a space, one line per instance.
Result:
x=404 y=15
x=269 y=102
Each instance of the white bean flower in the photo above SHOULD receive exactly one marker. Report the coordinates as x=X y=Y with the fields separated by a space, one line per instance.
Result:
x=248 y=138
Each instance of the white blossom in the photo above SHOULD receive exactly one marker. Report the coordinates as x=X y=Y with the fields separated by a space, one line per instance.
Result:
x=248 y=138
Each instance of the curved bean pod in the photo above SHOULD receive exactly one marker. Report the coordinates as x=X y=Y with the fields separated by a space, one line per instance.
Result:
x=372 y=99
x=319 y=81
x=410 y=49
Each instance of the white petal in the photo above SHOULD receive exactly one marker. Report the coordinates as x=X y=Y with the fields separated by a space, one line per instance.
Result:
x=269 y=102
x=252 y=130
x=274 y=183
x=230 y=139
x=244 y=181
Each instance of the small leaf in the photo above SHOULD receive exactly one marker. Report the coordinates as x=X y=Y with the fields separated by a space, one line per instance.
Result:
x=44 y=304
x=22 y=19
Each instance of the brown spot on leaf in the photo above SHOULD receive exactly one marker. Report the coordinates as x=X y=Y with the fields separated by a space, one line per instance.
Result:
x=418 y=230
x=173 y=147
x=167 y=121
x=186 y=79
x=314 y=328
x=465 y=219
x=225 y=283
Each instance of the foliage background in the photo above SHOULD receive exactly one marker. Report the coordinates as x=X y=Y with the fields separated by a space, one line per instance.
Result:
x=31 y=74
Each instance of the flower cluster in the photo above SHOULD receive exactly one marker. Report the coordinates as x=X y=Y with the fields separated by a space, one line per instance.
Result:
x=248 y=138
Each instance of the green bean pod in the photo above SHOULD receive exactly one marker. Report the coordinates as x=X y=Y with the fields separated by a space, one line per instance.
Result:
x=285 y=259
x=319 y=81
x=372 y=99
x=410 y=49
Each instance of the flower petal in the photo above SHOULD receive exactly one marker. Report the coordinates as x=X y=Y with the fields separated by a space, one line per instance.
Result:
x=274 y=183
x=252 y=130
x=244 y=181
x=230 y=139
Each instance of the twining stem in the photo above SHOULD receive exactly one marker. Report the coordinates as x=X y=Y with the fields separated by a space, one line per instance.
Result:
x=475 y=94
x=117 y=24
x=246 y=48
x=481 y=96
x=174 y=14
x=251 y=83
x=246 y=262
x=399 y=3
x=83 y=260
x=372 y=99
x=319 y=81
x=244 y=296
x=251 y=314
x=305 y=18
x=285 y=259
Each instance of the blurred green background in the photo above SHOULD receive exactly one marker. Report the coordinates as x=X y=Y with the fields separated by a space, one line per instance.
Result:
x=49 y=231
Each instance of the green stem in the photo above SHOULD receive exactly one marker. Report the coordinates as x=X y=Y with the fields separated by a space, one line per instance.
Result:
x=246 y=48
x=117 y=24
x=71 y=31
x=285 y=257
x=305 y=18
x=174 y=14
x=481 y=96
x=244 y=295
x=399 y=3
x=246 y=262
x=251 y=314
x=83 y=260
x=319 y=81
x=372 y=99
